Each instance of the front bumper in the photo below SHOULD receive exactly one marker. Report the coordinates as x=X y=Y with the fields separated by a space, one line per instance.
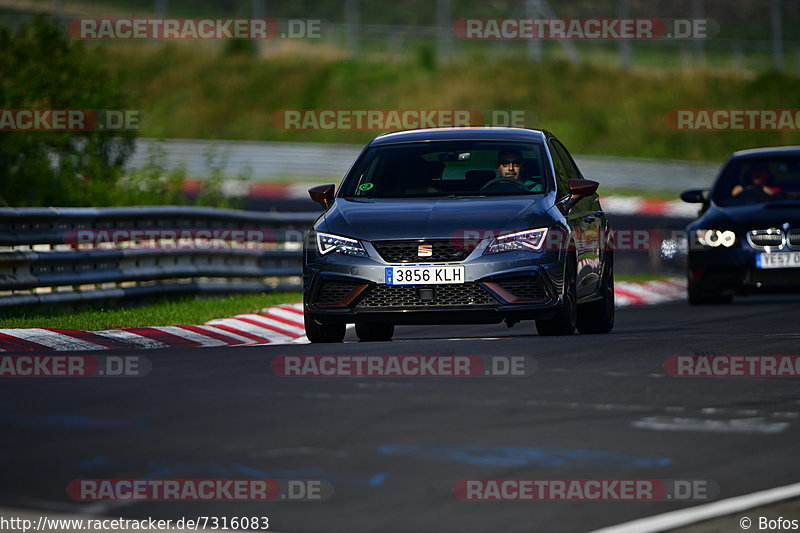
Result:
x=508 y=285
x=733 y=271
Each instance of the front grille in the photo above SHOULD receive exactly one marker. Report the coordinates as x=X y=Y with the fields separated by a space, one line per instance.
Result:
x=442 y=250
x=794 y=237
x=445 y=295
x=332 y=292
x=525 y=288
x=764 y=238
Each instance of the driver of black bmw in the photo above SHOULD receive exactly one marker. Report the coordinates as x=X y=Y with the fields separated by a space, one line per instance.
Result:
x=509 y=165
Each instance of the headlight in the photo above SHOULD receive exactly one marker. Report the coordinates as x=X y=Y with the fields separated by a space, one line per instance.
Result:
x=715 y=237
x=528 y=240
x=327 y=243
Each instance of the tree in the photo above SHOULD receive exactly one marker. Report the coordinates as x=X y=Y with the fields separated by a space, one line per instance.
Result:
x=40 y=68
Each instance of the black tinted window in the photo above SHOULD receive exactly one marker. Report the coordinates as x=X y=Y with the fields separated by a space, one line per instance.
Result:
x=464 y=168
x=754 y=180
x=562 y=174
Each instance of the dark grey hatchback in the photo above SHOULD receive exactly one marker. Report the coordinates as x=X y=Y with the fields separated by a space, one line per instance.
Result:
x=455 y=226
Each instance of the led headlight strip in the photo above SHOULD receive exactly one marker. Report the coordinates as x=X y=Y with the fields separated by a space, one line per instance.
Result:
x=528 y=240
x=327 y=243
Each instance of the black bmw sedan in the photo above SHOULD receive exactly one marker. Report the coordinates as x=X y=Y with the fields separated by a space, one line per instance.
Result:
x=459 y=225
x=747 y=237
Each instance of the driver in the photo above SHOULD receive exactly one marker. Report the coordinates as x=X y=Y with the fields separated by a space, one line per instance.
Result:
x=760 y=177
x=509 y=165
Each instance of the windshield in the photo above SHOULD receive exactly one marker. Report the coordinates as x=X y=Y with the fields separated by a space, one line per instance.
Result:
x=757 y=180
x=440 y=169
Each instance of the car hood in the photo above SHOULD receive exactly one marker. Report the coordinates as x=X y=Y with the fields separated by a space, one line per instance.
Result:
x=405 y=218
x=751 y=216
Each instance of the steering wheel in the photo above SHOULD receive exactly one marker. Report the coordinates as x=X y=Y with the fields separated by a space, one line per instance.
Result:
x=753 y=191
x=504 y=181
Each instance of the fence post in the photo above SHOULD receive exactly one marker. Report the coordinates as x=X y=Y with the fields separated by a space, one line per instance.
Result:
x=444 y=30
x=259 y=12
x=351 y=21
x=545 y=11
x=533 y=48
x=777 y=34
x=698 y=12
x=625 y=56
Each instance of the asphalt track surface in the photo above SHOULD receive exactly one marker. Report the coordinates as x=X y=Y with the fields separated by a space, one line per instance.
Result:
x=393 y=447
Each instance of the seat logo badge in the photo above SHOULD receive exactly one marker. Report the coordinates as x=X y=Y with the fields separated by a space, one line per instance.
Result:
x=425 y=250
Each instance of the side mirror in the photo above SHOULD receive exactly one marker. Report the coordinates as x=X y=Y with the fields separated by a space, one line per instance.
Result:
x=577 y=190
x=582 y=188
x=323 y=194
x=693 y=196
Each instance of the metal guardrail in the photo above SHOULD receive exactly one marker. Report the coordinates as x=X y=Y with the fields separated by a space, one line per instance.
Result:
x=60 y=256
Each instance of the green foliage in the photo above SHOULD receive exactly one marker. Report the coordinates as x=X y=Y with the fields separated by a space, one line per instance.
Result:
x=152 y=184
x=426 y=56
x=595 y=109
x=157 y=184
x=41 y=68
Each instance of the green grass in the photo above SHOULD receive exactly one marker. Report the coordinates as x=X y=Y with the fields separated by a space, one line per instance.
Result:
x=182 y=311
x=187 y=91
x=640 y=277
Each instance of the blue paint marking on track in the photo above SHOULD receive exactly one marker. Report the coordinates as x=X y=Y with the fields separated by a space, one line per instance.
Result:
x=95 y=462
x=520 y=456
x=378 y=479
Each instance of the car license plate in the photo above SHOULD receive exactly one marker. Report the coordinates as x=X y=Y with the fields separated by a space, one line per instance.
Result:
x=778 y=260
x=424 y=275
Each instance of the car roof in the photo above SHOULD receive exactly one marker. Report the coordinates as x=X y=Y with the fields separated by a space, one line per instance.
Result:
x=768 y=151
x=460 y=134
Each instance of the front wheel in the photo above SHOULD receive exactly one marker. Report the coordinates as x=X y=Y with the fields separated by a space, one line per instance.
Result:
x=373 y=332
x=323 y=332
x=563 y=323
x=598 y=316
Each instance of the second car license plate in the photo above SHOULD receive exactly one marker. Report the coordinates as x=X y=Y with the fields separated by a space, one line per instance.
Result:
x=778 y=260
x=424 y=275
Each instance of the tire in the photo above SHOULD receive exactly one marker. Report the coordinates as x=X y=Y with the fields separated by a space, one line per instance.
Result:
x=598 y=316
x=563 y=323
x=699 y=297
x=374 y=332
x=323 y=332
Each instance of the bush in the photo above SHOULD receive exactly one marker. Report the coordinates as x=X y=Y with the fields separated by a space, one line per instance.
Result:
x=41 y=68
